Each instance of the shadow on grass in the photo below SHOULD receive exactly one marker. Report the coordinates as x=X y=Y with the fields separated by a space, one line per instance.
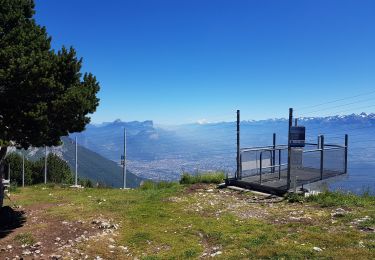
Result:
x=10 y=220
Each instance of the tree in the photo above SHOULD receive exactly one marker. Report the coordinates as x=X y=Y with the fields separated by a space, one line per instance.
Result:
x=43 y=94
x=15 y=162
x=58 y=170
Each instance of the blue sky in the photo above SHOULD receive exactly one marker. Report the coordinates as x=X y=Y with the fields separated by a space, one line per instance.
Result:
x=183 y=61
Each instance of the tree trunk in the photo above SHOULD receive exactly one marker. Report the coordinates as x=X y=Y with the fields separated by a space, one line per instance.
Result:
x=3 y=152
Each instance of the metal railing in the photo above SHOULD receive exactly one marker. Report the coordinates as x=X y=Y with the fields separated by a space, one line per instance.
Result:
x=316 y=161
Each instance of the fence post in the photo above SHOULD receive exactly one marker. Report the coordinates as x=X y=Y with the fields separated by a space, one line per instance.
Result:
x=238 y=146
x=346 y=153
x=279 y=164
x=289 y=148
x=321 y=156
x=273 y=152
x=260 y=168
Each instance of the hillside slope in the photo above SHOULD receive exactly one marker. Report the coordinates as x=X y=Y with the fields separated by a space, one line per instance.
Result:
x=187 y=222
x=95 y=167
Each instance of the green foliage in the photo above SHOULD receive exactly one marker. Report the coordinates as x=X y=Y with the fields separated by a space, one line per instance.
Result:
x=25 y=238
x=338 y=198
x=85 y=183
x=216 y=177
x=58 y=170
x=43 y=94
x=295 y=197
x=150 y=185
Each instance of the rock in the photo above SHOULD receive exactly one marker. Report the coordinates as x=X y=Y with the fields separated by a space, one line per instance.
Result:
x=317 y=249
x=37 y=252
x=55 y=257
x=216 y=253
x=9 y=247
x=38 y=244
x=210 y=190
x=125 y=248
x=361 y=244
x=57 y=239
x=26 y=252
x=338 y=213
x=111 y=240
x=111 y=246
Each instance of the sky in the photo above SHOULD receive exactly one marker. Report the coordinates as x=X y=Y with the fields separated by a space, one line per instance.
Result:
x=186 y=61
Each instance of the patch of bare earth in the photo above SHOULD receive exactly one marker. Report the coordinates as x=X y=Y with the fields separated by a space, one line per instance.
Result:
x=51 y=237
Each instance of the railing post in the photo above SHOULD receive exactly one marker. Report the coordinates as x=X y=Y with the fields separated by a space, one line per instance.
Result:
x=279 y=164
x=273 y=152
x=238 y=146
x=346 y=153
x=260 y=166
x=321 y=156
x=289 y=148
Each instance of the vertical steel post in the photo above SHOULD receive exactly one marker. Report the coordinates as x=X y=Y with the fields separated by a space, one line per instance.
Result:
x=321 y=156
x=346 y=153
x=289 y=148
x=76 y=164
x=124 y=165
x=260 y=168
x=45 y=164
x=23 y=170
x=279 y=164
x=238 y=146
x=273 y=152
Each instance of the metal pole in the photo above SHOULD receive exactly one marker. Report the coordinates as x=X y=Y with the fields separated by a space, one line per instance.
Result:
x=279 y=164
x=9 y=173
x=76 y=164
x=273 y=152
x=124 y=165
x=23 y=170
x=238 y=146
x=295 y=121
x=260 y=168
x=45 y=164
x=321 y=156
x=289 y=148
x=346 y=153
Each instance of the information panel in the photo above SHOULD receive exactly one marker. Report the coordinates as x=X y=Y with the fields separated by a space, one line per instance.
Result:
x=297 y=136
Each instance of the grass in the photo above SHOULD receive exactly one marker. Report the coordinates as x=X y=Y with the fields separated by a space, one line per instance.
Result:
x=25 y=238
x=341 y=199
x=169 y=221
x=215 y=177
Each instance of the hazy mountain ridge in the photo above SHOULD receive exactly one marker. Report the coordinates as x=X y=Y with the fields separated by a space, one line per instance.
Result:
x=163 y=152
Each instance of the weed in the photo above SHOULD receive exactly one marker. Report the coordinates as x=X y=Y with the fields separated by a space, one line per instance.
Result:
x=25 y=238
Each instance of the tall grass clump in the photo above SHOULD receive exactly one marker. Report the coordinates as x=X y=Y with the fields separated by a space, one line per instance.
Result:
x=150 y=185
x=339 y=198
x=214 y=177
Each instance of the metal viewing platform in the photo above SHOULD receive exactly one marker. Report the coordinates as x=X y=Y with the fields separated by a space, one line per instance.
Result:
x=279 y=169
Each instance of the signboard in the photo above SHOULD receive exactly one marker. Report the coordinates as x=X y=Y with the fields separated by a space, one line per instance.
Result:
x=297 y=136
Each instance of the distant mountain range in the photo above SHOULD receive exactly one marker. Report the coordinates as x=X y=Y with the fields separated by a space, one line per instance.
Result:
x=163 y=152
x=91 y=165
